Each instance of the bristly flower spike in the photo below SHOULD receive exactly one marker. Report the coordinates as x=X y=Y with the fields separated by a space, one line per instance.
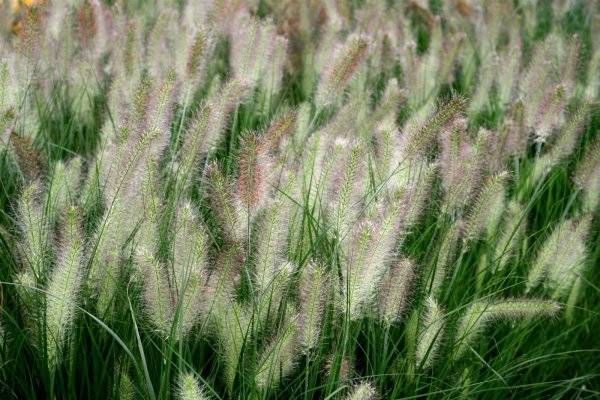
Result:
x=362 y=391
x=587 y=177
x=396 y=291
x=314 y=289
x=254 y=170
x=189 y=388
x=481 y=313
x=513 y=232
x=232 y=217
x=431 y=332
x=339 y=72
x=488 y=208
x=36 y=230
x=64 y=286
x=561 y=258
x=189 y=268
x=279 y=358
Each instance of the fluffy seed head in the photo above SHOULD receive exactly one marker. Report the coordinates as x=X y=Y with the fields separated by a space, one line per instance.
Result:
x=231 y=216
x=273 y=296
x=64 y=286
x=278 y=359
x=587 y=177
x=561 y=258
x=190 y=244
x=486 y=78
x=568 y=265
x=444 y=257
x=362 y=391
x=419 y=138
x=511 y=138
x=254 y=168
x=346 y=183
x=386 y=143
x=396 y=290
x=197 y=55
x=271 y=84
x=338 y=73
x=226 y=275
x=550 y=114
x=314 y=289
x=487 y=210
x=189 y=267
x=280 y=129
x=189 y=388
x=35 y=228
x=258 y=54
x=385 y=233
x=346 y=367
x=565 y=143
x=352 y=302
x=536 y=80
x=513 y=232
x=460 y=167
x=593 y=79
x=195 y=144
x=271 y=240
x=126 y=389
x=64 y=185
x=233 y=322
x=418 y=195
x=481 y=313
x=506 y=78
x=157 y=296
x=7 y=102
x=431 y=332
x=221 y=105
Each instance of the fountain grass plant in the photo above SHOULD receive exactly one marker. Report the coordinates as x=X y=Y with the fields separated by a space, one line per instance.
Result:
x=318 y=199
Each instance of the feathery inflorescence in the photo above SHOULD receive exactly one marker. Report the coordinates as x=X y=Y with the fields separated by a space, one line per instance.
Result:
x=36 y=230
x=487 y=209
x=562 y=256
x=278 y=358
x=233 y=328
x=396 y=290
x=362 y=391
x=513 y=231
x=431 y=333
x=587 y=177
x=254 y=169
x=157 y=296
x=340 y=70
x=190 y=269
x=64 y=286
x=481 y=313
x=188 y=387
x=314 y=290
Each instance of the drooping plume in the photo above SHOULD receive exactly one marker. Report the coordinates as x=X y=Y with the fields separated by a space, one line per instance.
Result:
x=481 y=313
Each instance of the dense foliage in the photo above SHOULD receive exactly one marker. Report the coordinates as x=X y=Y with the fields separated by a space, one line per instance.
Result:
x=299 y=199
